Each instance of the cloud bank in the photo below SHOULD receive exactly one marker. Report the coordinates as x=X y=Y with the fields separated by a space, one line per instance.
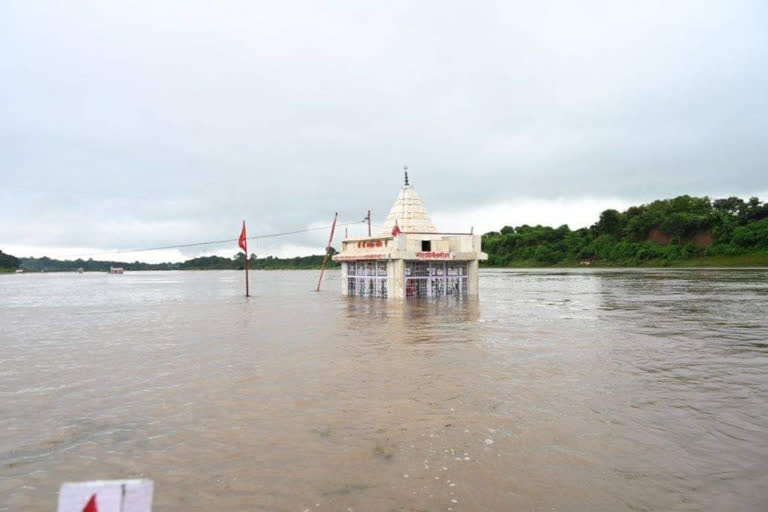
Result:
x=147 y=124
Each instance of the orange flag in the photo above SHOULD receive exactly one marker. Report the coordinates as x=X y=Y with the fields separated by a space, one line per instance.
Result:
x=242 y=241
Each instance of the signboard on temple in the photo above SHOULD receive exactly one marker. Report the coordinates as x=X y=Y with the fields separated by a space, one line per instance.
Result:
x=434 y=255
x=360 y=257
x=370 y=243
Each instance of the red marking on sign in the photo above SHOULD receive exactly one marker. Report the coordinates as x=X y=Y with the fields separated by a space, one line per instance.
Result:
x=366 y=244
x=433 y=255
x=91 y=505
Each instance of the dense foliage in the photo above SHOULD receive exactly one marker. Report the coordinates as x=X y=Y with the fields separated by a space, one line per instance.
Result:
x=661 y=232
x=8 y=262
x=203 y=263
x=268 y=263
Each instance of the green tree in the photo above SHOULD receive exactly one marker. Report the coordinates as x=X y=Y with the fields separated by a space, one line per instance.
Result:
x=8 y=261
x=732 y=225
x=610 y=223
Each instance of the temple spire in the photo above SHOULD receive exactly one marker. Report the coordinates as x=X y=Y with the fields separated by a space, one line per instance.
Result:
x=408 y=211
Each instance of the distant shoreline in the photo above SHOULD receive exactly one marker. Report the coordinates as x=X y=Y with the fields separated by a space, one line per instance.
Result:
x=735 y=261
x=684 y=231
x=718 y=262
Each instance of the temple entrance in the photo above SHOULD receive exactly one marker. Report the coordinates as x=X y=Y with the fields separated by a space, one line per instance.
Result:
x=435 y=279
x=367 y=278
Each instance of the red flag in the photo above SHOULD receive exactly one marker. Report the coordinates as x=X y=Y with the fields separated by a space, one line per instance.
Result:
x=241 y=242
x=396 y=230
x=91 y=505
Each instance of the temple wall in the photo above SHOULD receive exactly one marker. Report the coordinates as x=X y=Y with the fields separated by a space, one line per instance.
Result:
x=439 y=244
x=473 y=277
x=465 y=243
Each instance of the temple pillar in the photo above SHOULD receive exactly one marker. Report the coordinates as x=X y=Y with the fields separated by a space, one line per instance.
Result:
x=344 y=282
x=473 y=277
x=396 y=279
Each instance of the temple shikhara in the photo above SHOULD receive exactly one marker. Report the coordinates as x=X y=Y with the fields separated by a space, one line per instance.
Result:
x=410 y=257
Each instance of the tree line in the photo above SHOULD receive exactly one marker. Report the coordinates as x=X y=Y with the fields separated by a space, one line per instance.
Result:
x=663 y=232
x=681 y=230
x=237 y=262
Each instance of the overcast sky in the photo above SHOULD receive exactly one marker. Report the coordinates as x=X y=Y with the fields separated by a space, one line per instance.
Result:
x=136 y=124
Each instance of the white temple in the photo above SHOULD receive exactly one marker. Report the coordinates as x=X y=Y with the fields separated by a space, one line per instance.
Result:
x=409 y=257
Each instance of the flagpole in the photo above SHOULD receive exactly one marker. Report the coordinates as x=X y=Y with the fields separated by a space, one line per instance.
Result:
x=327 y=251
x=244 y=246
x=247 y=293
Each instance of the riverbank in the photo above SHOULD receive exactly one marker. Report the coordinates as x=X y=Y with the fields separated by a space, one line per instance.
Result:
x=721 y=262
x=734 y=261
x=46 y=264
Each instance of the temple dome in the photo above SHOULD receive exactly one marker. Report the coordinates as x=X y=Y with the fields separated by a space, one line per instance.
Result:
x=409 y=213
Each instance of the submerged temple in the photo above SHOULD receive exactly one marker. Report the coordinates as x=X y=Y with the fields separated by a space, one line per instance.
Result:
x=410 y=258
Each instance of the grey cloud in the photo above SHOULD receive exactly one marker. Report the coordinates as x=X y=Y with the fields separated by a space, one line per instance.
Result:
x=151 y=123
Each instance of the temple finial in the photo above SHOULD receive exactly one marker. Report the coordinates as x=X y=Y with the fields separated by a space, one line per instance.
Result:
x=405 y=169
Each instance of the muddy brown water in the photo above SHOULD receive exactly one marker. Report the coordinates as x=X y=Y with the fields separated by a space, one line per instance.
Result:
x=556 y=390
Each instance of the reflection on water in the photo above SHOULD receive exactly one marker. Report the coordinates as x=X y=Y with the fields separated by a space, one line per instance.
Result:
x=567 y=389
x=417 y=320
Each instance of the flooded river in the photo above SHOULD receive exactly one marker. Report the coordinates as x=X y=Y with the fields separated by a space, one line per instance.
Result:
x=556 y=390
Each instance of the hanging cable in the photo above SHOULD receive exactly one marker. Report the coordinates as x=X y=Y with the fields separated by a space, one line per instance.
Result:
x=213 y=242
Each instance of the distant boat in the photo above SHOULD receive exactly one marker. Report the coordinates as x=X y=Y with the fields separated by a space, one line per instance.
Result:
x=80 y=270
x=20 y=270
x=116 y=270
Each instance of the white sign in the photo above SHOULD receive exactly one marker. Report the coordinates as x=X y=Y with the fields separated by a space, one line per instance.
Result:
x=106 y=496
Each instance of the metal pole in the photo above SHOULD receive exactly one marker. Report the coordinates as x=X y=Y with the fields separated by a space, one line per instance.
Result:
x=369 y=222
x=327 y=251
x=247 y=290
